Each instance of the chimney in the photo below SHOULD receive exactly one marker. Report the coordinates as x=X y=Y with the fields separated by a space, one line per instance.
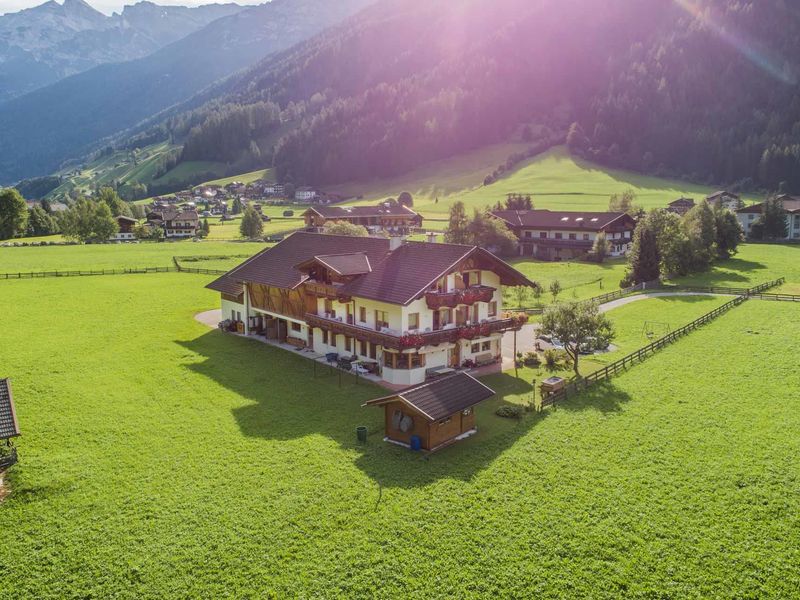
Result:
x=395 y=241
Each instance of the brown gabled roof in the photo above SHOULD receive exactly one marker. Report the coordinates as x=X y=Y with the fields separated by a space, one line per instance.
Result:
x=721 y=193
x=396 y=277
x=124 y=218
x=561 y=219
x=8 y=416
x=381 y=210
x=682 y=202
x=354 y=263
x=790 y=205
x=441 y=398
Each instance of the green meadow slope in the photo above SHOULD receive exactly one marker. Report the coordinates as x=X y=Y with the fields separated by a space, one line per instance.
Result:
x=555 y=180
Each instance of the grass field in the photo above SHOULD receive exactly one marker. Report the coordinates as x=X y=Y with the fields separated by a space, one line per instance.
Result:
x=555 y=180
x=186 y=170
x=114 y=256
x=163 y=459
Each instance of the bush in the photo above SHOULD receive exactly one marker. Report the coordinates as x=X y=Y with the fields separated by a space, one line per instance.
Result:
x=507 y=411
x=531 y=359
x=553 y=358
x=288 y=213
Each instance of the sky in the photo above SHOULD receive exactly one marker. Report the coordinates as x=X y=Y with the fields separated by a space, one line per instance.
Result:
x=109 y=6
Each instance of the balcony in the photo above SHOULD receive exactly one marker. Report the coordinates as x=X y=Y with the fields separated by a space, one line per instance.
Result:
x=330 y=291
x=416 y=339
x=468 y=296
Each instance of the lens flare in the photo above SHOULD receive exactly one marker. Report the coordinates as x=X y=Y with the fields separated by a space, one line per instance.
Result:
x=746 y=48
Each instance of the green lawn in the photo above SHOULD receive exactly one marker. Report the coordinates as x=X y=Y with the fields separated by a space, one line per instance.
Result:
x=644 y=321
x=110 y=256
x=250 y=177
x=186 y=170
x=163 y=459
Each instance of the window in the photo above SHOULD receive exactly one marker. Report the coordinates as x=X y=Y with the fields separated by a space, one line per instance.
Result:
x=297 y=327
x=528 y=234
x=476 y=313
x=363 y=348
x=543 y=235
x=362 y=314
x=347 y=345
x=475 y=348
x=585 y=236
x=413 y=321
x=233 y=315
x=329 y=308
x=486 y=346
x=324 y=337
x=493 y=308
x=559 y=235
x=381 y=319
x=444 y=316
x=572 y=236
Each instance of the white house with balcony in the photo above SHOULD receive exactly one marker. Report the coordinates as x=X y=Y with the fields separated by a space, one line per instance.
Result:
x=410 y=309
x=749 y=215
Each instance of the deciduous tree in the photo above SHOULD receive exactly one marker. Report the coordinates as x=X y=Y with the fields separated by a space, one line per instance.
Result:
x=251 y=226
x=345 y=228
x=13 y=213
x=576 y=324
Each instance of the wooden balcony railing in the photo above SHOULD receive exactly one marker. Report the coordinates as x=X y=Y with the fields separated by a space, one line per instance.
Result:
x=467 y=296
x=416 y=339
x=325 y=290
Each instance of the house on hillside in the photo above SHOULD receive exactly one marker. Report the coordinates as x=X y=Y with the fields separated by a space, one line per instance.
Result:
x=434 y=414
x=305 y=194
x=562 y=235
x=791 y=204
x=175 y=223
x=725 y=200
x=273 y=189
x=393 y=218
x=681 y=206
x=410 y=309
x=126 y=225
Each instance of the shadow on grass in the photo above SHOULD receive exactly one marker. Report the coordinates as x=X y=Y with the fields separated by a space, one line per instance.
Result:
x=726 y=272
x=287 y=402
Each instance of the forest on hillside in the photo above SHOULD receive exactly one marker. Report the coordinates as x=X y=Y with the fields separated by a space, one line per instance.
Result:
x=705 y=90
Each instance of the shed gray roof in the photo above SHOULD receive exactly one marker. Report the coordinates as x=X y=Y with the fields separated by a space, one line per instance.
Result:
x=443 y=397
x=8 y=417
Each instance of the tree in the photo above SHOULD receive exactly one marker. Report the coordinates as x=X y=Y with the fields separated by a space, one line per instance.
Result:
x=251 y=226
x=576 y=324
x=289 y=190
x=577 y=142
x=89 y=221
x=537 y=294
x=644 y=260
x=772 y=222
x=116 y=204
x=601 y=247
x=237 y=206
x=345 y=228
x=729 y=232
x=13 y=213
x=148 y=232
x=405 y=199
x=624 y=203
x=518 y=202
x=457 y=228
x=701 y=229
x=41 y=223
x=555 y=289
x=674 y=247
x=520 y=295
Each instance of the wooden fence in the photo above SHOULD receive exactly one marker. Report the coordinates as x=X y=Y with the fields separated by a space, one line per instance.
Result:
x=88 y=273
x=733 y=291
x=777 y=297
x=181 y=269
x=639 y=355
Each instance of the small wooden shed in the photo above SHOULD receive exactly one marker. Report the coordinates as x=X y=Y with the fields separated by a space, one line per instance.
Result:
x=434 y=414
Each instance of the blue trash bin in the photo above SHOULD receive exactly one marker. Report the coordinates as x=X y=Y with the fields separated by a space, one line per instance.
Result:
x=416 y=443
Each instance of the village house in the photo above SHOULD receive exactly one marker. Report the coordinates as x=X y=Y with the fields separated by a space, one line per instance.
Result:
x=410 y=310
x=681 y=206
x=562 y=235
x=724 y=200
x=305 y=194
x=274 y=189
x=434 y=414
x=791 y=204
x=126 y=225
x=394 y=218
x=175 y=223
